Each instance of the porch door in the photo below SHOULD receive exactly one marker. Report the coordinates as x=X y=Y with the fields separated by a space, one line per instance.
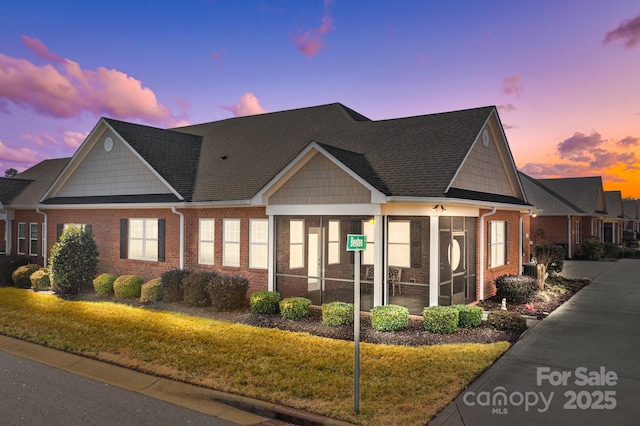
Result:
x=457 y=258
x=456 y=268
x=314 y=259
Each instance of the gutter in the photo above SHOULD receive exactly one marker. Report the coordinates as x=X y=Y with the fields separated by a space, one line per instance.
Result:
x=174 y=210
x=483 y=263
x=44 y=236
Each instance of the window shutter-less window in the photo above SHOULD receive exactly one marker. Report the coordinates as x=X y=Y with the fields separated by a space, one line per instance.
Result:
x=124 y=227
x=161 y=240
x=416 y=244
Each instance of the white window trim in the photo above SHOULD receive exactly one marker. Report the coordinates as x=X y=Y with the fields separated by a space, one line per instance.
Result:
x=497 y=246
x=577 y=231
x=33 y=251
x=144 y=239
x=406 y=262
x=264 y=244
x=22 y=225
x=228 y=244
x=333 y=245
x=202 y=241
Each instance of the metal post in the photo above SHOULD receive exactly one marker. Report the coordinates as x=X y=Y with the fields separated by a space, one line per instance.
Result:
x=356 y=332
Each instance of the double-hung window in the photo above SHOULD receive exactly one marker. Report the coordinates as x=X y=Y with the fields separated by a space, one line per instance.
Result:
x=206 y=243
x=231 y=242
x=22 y=235
x=143 y=239
x=400 y=243
x=368 y=229
x=334 y=242
x=498 y=243
x=577 y=230
x=296 y=244
x=259 y=243
x=33 y=239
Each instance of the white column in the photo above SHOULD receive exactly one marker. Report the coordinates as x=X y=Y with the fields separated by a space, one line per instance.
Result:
x=379 y=283
x=271 y=283
x=434 y=260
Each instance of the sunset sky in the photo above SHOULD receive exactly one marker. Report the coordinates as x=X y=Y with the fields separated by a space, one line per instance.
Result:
x=565 y=75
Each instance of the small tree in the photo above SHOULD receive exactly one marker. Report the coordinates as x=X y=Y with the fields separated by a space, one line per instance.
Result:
x=74 y=261
x=9 y=173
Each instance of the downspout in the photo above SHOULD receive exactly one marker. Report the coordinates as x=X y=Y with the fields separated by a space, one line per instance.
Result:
x=520 y=246
x=569 y=249
x=44 y=236
x=175 y=211
x=483 y=262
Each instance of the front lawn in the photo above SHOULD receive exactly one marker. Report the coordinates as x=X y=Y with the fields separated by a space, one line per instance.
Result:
x=399 y=384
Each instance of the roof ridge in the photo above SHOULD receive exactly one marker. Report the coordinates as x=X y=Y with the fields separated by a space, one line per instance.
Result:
x=552 y=192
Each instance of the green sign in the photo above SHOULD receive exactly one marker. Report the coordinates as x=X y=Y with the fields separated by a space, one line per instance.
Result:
x=356 y=242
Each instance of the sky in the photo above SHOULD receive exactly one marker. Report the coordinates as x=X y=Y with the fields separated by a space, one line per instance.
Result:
x=564 y=75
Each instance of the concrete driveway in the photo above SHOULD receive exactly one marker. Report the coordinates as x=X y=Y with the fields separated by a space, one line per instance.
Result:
x=579 y=366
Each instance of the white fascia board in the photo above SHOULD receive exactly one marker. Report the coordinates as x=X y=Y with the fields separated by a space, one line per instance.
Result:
x=297 y=163
x=109 y=206
x=461 y=203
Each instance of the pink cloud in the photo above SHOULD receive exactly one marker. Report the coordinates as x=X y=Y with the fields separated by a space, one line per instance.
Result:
x=248 y=105
x=577 y=145
x=74 y=139
x=18 y=154
x=218 y=54
x=41 y=140
x=628 y=30
x=68 y=90
x=310 y=42
x=37 y=47
x=506 y=108
x=513 y=85
x=628 y=141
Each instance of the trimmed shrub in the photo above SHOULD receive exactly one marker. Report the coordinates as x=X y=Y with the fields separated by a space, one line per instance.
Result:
x=22 y=275
x=551 y=256
x=40 y=280
x=440 y=319
x=611 y=251
x=337 y=313
x=264 y=302
x=103 y=283
x=8 y=264
x=468 y=316
x=591 y=248
x=507 y=321
x=74 y=261
x=194 y=289
x=171 y=282
x=151 y=291
x=228 y=292
x=295 y=308
x=389 y=318
x=128 y=286
x=517 y=289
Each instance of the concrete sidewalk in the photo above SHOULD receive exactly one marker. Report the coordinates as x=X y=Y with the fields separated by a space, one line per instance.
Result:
x=579 y=366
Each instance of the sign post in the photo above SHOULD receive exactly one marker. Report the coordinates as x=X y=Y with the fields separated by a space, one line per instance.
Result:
x=356 y=243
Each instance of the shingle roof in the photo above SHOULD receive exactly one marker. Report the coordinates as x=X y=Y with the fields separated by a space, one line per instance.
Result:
x=613 y=199
x=41 y=176
x=174 y=155
x=414 y=156
x=11 y=188
x=630 y=208
x=545 y=199
x=583 y=192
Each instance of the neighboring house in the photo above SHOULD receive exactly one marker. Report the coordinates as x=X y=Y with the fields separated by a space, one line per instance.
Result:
x=631 y=209
x=614 y=221
x=571 y=209
x=10 y=188
x=273 y=197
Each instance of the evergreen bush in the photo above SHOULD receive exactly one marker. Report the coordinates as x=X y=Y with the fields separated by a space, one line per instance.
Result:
x=128 y=286
x=551 y=256
x=611 y=251
x=468 y=316
x=228 y=292
x=40 y=280
x=74 y=261
x=171 y=281
x=337 y=313
x=265 y=302
x=389 y=318
x=151 y=291
x=8 y=264
x=440 y=319
x=295 y=308
x=22 y=275
x=103 y=283
x=517 y=289
x=591 y=248
x=194 y=289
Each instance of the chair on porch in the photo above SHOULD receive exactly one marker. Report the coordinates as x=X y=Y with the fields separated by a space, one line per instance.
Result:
x=394 y=277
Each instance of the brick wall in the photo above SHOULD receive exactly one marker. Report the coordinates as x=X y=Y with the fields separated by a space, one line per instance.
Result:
x=27 y=217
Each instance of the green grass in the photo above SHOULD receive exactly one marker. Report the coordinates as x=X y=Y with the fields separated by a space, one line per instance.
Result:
x=399 y=385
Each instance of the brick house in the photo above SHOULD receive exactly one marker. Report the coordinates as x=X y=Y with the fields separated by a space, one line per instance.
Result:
x=570 y=210
x=614 y=221
x=273 y=197
x=631 y=210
